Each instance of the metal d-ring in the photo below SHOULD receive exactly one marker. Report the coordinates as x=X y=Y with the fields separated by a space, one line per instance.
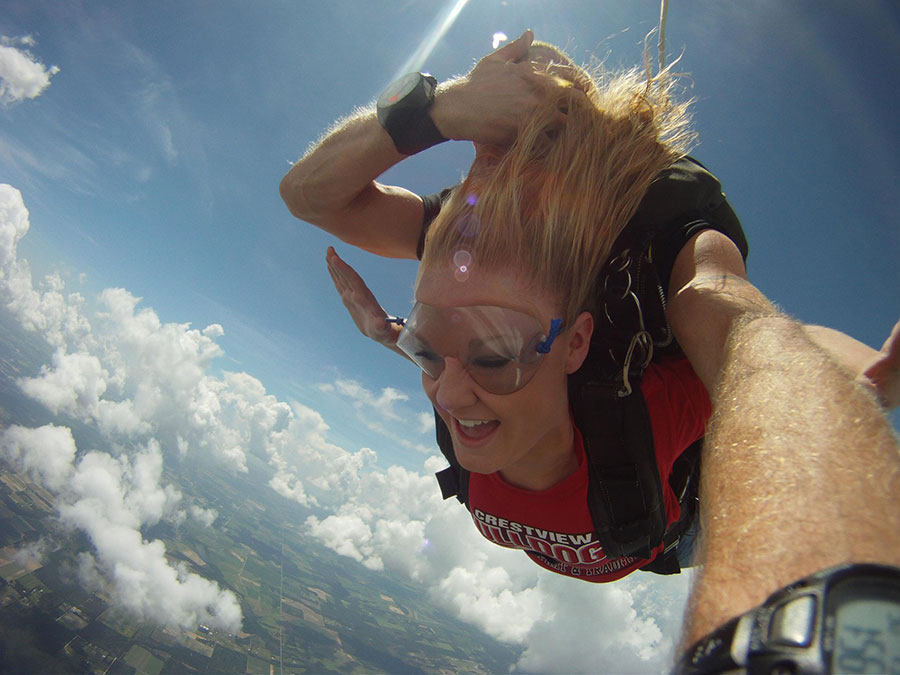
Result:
x=647 y=344
x=619 y=264
x=637 y=307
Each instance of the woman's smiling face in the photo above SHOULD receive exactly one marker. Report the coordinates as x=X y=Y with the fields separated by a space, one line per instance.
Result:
x=526 y=435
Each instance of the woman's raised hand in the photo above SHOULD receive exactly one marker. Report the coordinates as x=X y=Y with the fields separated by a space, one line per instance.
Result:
x=367 y=314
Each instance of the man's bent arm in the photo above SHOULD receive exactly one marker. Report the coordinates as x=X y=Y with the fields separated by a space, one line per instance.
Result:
x=333 y=187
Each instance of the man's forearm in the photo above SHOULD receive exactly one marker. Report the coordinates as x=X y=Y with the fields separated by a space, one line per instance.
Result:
x=333 y=187
x=340 y=168
x=800 y=471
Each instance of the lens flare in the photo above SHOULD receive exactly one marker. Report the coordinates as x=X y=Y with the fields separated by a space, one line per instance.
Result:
x=498 y=39
x=462 y=258
x=462 y=261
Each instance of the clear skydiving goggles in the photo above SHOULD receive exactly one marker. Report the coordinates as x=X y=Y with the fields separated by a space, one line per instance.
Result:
x=499 y=348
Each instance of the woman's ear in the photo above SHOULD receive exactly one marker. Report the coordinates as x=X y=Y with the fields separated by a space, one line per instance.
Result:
x=579 y=341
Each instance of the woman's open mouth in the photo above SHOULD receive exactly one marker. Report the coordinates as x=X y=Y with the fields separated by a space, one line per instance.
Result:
x=473 y=433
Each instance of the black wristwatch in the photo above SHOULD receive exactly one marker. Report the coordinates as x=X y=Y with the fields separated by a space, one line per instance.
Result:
x=403 y=112
x=845 y=619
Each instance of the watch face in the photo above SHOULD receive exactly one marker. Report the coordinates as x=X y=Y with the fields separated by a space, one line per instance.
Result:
x=398 y=89
x=867 y=636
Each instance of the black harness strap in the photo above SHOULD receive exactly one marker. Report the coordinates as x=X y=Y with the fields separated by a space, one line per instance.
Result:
x=624 y=494
x=454 y=480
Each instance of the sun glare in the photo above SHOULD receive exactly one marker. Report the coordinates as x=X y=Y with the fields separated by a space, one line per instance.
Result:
x=432 y=37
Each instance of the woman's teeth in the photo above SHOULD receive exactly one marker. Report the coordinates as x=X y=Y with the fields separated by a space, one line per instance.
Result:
x=473 y=423
x=476 y=429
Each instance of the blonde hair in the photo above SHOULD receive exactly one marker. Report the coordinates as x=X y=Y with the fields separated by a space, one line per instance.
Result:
x=551 y=205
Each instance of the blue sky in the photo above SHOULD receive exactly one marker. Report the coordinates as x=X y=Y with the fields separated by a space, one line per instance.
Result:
x=151 y=163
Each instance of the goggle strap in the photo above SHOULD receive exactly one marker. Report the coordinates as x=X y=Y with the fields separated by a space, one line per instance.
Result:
x=555 y=328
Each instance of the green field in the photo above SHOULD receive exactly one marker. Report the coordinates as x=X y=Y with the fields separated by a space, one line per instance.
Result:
x=143 y=661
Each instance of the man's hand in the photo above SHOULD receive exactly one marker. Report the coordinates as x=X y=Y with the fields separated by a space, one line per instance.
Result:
x=487 y=105
x=883 y=374
x=365 y=310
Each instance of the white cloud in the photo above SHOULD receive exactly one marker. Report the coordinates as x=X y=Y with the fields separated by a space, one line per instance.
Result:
x=381 y=404
x=46 y=453
x=378 y=410
x=204 y=516
x=426 y=422
x=58 y=318
x=22 y=76
x=349 y=534
x=398 y=522
x=31 y=554
x=110 y=499
x=73 y=385
x=596 y=630
x=14 y=218
x=481 y=594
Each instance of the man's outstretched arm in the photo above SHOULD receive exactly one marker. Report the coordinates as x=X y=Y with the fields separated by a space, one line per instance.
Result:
x=801 y=471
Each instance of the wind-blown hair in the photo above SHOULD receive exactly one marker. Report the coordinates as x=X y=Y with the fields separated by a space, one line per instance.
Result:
x=550 y=206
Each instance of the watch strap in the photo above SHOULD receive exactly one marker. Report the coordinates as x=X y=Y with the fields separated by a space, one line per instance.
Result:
x=714 y=652
x=408 y=121
x=417 y=134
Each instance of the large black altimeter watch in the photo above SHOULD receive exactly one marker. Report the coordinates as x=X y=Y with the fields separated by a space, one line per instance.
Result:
x=403 y=112
x=845 y=619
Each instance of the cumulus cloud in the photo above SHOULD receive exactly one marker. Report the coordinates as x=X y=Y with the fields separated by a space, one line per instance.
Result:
x=74 y=385
x=59 y=318
x=110 y=499
x=599 y=631
x=22 y=76
x=398 y=522
x=147 y=386
x=203 y=516
x=46 y=453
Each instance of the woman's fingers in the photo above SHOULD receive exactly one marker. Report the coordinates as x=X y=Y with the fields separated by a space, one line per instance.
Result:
x=345 y=278
x=360 y=302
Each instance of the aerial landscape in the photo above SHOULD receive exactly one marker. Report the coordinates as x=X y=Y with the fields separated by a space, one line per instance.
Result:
x=305 y=608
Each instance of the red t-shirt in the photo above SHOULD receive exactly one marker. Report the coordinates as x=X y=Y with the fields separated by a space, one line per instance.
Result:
x=554 y=526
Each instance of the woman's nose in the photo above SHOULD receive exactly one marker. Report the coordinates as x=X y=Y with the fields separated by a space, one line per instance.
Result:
x=454 y=386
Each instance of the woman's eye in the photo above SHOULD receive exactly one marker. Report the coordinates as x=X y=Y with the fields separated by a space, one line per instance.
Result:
x=491 y=362
x=428 y=356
